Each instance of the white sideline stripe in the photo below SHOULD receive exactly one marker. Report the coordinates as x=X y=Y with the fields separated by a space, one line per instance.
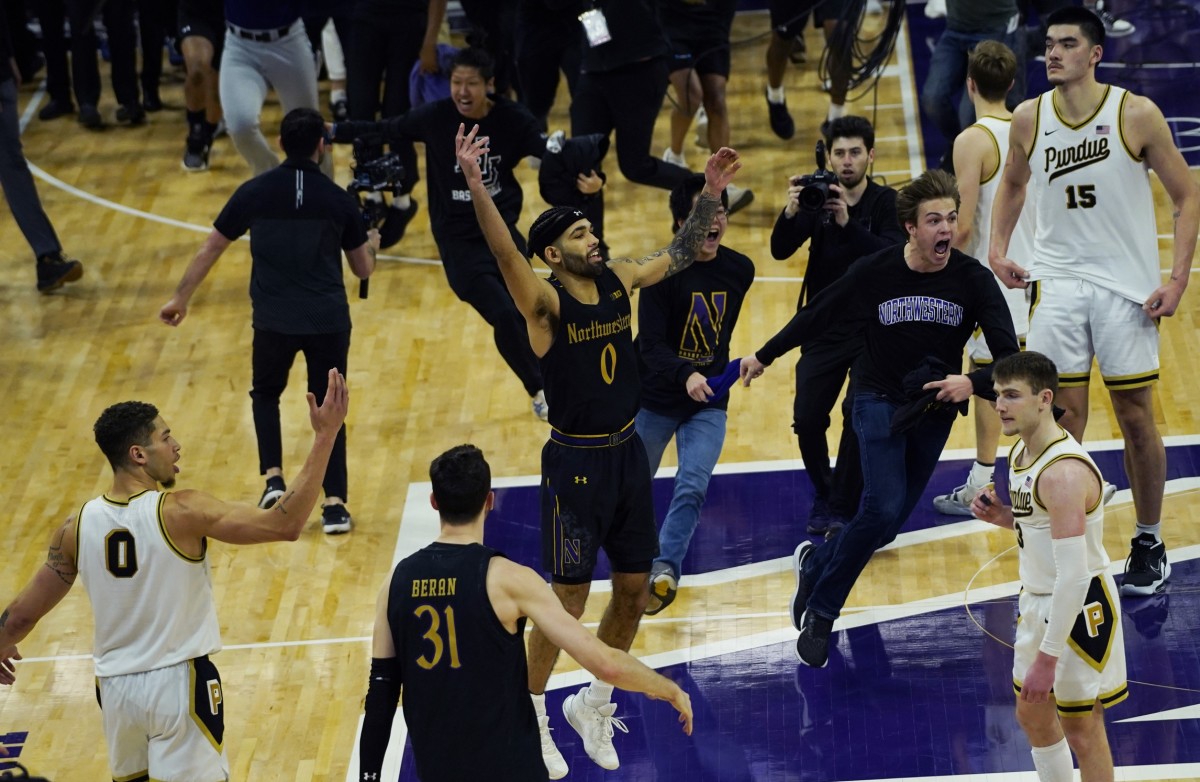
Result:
x=908 y=100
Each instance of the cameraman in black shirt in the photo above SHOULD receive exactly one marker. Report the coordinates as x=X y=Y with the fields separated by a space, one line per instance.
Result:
x=858 y=218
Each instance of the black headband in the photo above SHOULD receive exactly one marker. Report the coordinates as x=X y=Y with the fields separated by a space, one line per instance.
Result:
x=549 y=226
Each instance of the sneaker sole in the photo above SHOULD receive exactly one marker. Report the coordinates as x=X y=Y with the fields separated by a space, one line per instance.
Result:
x=336 y=529
x=270 y=498
x=1130 y=590
x=798 y=557
x=950 y=507
x=801 y=658
x=71 y=276
x=567 y=712
x=664 y=599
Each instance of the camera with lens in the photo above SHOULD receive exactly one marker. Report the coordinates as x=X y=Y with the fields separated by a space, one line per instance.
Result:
x=374 y=172
x=815 y=186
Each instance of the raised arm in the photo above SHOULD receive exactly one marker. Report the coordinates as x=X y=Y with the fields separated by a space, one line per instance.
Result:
x=48 y=586
x=1010 y=196
x=680 y=253
x=517 y=591
x=192 y=515
x=175 y=310
x=535 y=298
x=1147 y=128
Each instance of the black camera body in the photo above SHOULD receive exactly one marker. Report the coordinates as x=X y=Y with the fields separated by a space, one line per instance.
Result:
x=374 y=172
x=815 y=186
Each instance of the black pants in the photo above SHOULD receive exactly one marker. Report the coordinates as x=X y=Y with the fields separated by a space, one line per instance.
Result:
x=156 y=20
x=820 y=372
x=626 y=100
x=272 y=359
x=84 y=69
x=547 y=42
x=475 y=278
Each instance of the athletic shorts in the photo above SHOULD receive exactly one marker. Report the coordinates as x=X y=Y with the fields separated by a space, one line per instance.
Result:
x=789 y=16
x=592 y=499
x=168 y=723
x=1071 y=321
x=1093 y=666
x=1018 y=307
x=204 y=19
x=705 y=56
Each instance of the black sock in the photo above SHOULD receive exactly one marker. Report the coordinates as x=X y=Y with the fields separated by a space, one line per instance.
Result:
x=196 y=124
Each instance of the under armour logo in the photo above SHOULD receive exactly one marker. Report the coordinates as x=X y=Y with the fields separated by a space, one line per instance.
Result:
x=370 y=777
x=581 y=479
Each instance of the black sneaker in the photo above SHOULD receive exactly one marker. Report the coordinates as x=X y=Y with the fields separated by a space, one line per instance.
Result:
x=131 y=115
x=663 y=588
x=335 y=519
x=800 y=596
x=396 y=222
x=56 y=108
x=819 y=517
x=781 y=121
x=340 y=110
x=1146 y=568
x=836 y=525
x=151 y=101
x=55 y=270
x=89 y=117
x=812 y=646
x=195 y=154
x=271 y=494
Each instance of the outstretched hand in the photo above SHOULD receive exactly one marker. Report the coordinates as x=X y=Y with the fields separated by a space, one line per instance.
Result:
x=468 y=149
x=720 y=168
x=331 y=414
x=8 y=672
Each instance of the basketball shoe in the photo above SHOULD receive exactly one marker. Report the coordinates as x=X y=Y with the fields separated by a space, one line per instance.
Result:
x=556 y=766
x=800 y=596
x=595 y=726
x=1146 y=567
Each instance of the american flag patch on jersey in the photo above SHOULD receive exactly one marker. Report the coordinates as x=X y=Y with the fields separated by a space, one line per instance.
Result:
x=1102 y=130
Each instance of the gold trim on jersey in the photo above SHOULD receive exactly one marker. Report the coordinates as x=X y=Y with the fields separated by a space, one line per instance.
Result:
x=78 y=540
x=1012 y=453
x=996 y=146
x=1074 y=379
x=199 y=723
x=1083 y=708
x=1113 y=631
x=162 y=527
x=124 y=504
x=141 y=776
x=1090 y=117
x=1121 y=129
x=1037 y=120
x=1126 y=382
x=1060 y=457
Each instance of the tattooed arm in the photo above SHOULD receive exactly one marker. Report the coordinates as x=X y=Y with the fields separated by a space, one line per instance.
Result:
x=48 y=586
x=679 y=254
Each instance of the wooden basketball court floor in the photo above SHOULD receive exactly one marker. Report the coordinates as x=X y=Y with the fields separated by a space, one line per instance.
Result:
x=918 y=686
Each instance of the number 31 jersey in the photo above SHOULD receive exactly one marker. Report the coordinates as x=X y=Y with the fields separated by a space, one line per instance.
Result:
x=153 y=604
x=1095 y=211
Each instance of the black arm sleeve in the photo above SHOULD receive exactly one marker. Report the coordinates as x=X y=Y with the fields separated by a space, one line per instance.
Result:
x=383 y=693
x=791 y=232
x=835 y=302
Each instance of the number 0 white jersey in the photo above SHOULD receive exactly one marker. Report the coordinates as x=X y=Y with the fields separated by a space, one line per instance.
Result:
x=153 y=604
x=1036 y=560
x=1095 y=211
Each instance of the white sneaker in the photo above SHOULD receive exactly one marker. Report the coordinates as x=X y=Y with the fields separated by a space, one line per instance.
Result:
x=957 y=502
x=1113 y=26
x=595 y=727
x=541 y=408
x=739 y=197
x=874 y=7
x=935 y=9
x=671 y=157
x=1109 y=492
x=700 y=123
x=555 y=765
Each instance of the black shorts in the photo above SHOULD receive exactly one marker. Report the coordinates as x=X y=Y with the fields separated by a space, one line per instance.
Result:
x=595 y=498
x=204 y=19
x=788 y=16
x=705 y=55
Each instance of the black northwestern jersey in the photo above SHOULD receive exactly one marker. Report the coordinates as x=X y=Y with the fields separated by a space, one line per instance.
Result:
x=685 y=323
x=908 y=315
x=590 y=372
x=697 y=20
x=465 y=683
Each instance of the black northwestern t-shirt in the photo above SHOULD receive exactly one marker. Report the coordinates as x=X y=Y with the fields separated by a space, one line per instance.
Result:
x=908 y=315
x=465 y=682
x=685 y=323
x=697 y=20
x=300 y=222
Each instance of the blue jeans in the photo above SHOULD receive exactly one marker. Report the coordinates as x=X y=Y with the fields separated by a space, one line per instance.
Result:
x=698 y=442
x=948 y=78
x=896 y=469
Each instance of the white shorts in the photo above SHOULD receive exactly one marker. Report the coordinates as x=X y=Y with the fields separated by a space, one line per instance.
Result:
x=1093 y=666
x=1072 y=321
x=167 y=724
x=1017 y=300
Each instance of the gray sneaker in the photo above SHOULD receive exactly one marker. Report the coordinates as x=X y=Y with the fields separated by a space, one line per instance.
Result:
x=663 y=588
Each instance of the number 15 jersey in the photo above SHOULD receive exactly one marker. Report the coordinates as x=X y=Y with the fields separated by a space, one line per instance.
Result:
x=1095 y=211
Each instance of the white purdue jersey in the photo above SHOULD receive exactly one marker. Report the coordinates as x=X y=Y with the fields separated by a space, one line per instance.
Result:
x=153 y=604
x=1020 y=247
x=1095 y=211
x=1033 y=522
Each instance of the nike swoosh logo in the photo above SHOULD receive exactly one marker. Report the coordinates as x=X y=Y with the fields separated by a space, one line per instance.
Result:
x=1048 y=132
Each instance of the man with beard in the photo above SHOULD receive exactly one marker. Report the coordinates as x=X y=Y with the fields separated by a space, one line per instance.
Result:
x=917 y=304
x=595 y=478
x=141 y=553
x=1086 y=149
x=857 y=219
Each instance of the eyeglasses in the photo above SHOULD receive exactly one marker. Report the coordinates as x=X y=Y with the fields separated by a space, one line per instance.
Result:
x=722 y=211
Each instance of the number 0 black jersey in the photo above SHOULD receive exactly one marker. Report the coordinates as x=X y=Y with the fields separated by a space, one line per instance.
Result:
x=590 y=372
x=465 y=685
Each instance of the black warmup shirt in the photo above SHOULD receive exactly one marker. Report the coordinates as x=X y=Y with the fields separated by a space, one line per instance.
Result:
x=514 y=134
x=262 y=14
x=6 y=50
x=299 y=221
x=696 y=20
x=590 y=371
x=908 y=315
x=635 y=31
x=685 y=323
x=465 y=683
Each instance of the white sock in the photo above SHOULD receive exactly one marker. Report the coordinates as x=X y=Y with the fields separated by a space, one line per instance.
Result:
x=598 y=694
x=775 y=94
x=1053 y=763
x=981 y=473
x=376 y=197
x=835 y=112
x=336 y=95
x=1152 y=529
x=539 y=704
x=402 y=201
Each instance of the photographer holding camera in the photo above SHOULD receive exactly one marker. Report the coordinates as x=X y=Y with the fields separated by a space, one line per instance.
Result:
x=846 y=216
